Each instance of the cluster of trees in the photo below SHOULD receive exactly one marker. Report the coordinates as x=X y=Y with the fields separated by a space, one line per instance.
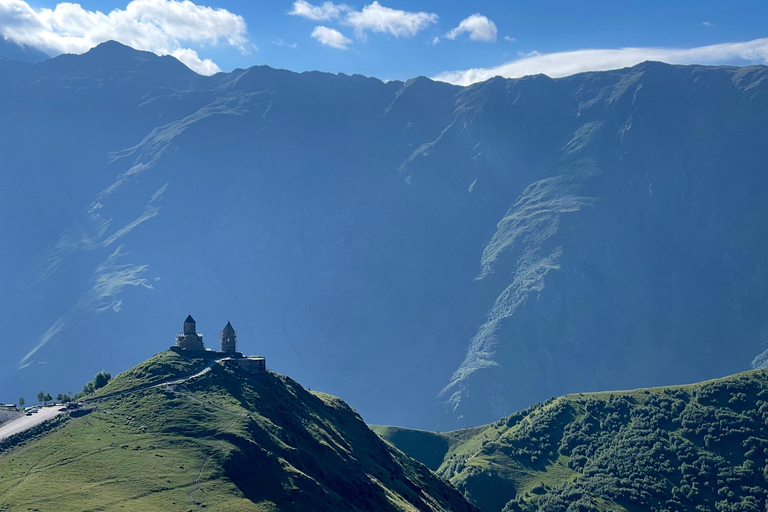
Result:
x=43 y=397
x=536 y=441
x=702 y=449
x=99 y=381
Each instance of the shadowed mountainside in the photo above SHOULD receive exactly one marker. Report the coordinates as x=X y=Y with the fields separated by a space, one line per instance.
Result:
x=440 y=256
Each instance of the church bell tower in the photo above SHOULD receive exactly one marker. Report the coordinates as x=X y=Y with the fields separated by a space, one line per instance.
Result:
x=228 y=339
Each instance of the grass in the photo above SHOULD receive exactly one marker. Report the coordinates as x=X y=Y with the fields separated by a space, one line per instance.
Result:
x=161 y=367
x=225 y=441
x=116 y=459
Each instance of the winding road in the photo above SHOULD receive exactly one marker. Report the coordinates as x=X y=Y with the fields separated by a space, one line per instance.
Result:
x=26 y=422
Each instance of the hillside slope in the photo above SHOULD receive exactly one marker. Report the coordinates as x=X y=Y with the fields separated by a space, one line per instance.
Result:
x=701 y=447
x=222 y=441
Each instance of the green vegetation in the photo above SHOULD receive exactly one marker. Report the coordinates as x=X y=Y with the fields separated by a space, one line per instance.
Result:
x=223 y=441
x=701 y=447
x=43 y=397
x=162 y=367
x=63 y=398
x=99 y=381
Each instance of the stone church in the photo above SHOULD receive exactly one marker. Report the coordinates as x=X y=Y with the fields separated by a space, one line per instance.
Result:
x=189 y=343
x=189 y=339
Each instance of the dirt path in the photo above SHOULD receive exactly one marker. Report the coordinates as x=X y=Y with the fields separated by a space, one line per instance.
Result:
x=172 y=382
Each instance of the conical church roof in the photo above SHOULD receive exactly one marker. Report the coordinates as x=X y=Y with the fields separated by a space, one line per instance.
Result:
x=189 y=320
x=228 y=329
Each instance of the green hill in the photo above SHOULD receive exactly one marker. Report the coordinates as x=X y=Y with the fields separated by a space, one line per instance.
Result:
x=224 y=440
x=700 y=447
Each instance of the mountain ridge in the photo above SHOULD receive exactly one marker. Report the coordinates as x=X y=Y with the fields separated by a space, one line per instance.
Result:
x=354 y=229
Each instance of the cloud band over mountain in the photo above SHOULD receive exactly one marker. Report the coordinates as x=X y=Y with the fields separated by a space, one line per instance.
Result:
x=561 y=64
x=165 y=27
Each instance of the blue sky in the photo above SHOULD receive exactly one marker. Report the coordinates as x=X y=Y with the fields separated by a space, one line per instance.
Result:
x=395 y=39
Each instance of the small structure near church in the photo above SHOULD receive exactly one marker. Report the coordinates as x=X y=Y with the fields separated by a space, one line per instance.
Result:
x=189 y=343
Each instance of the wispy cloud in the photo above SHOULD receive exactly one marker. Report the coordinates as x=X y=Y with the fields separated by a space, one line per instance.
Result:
x=510 y=39
x=326 y=11
x=280 y=42
x=331 y=37
x=479 y=28
x=165 y=27
x=568 y=63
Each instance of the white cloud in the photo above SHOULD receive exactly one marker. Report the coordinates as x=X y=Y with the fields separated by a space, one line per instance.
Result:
x=377 y=18
x=479 y=28
x=189 y=57
x=160 y=26
x=569 y=63
x=510 y=39
x=331 y=37
x=706 y=23
x=327 y=11
x=372 y=18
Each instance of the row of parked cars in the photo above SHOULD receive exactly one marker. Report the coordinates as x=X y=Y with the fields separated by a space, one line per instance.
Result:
x=29 y=411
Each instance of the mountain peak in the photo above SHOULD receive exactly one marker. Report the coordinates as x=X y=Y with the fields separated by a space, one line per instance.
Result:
x=115 y=61
x=113 y=49
x=113 y=52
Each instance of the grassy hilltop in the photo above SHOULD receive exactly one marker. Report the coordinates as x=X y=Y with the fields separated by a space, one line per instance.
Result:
x=222 y=441
x=700 y=447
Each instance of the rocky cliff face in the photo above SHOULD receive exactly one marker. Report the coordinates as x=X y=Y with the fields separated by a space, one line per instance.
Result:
x=440 y=256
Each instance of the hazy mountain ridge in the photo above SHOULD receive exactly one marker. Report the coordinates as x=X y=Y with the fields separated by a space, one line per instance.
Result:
x=554 y=235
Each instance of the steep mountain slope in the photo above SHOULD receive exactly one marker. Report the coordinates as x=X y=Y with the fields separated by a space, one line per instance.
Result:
x=222 y=441
x=701 y=447
x=527 y=238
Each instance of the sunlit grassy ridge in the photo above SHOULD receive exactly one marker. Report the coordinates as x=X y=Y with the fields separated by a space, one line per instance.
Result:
x=223 y=441
x=162 y=367
x=700 y=447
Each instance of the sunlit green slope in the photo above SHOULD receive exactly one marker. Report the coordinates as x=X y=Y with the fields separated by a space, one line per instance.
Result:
x=222 y=440
x=701 y=447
